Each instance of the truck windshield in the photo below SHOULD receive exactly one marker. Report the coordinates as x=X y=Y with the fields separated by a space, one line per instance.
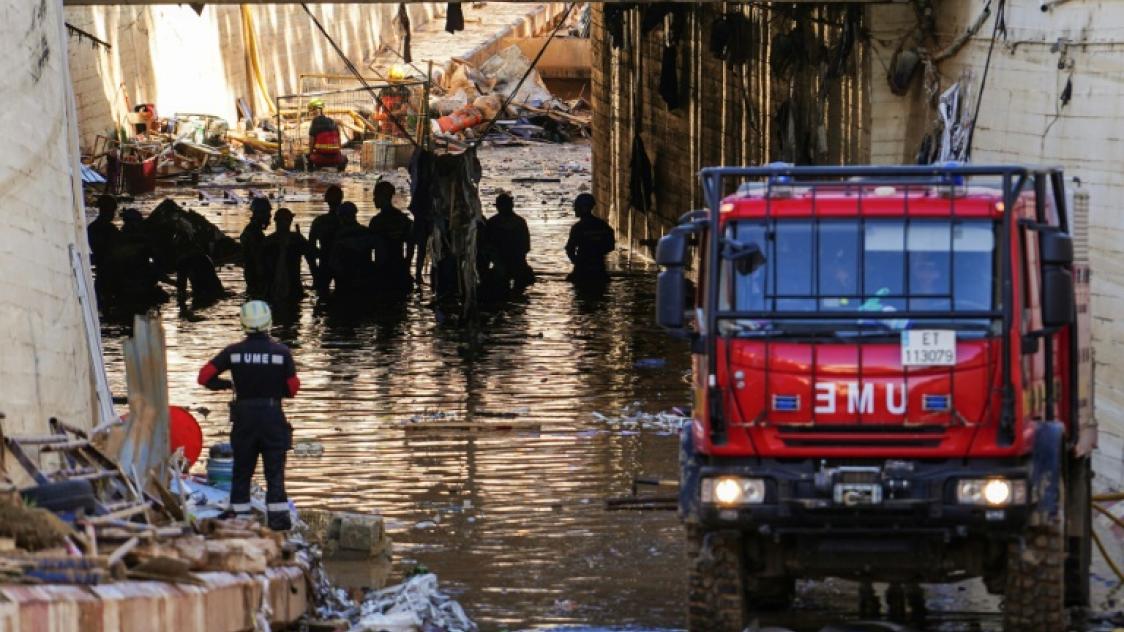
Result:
x=880 y=266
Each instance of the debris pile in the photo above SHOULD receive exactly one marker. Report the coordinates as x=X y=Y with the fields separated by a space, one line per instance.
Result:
x=78 y=519
x=416 y=604
x=180 y=148
x=467 y=99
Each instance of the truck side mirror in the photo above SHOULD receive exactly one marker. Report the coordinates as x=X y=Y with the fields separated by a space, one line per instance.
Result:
x=1056 y=248
x=1057 y=296
x=670 y=298
x=672 y=248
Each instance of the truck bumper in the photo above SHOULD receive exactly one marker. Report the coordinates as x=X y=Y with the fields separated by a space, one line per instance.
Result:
x=915 y=531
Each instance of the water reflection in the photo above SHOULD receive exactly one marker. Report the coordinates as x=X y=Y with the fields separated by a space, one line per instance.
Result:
x=503 y=500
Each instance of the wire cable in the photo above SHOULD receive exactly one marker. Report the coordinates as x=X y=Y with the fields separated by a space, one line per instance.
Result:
x=359 y=76
x=488 y=127
x=999 y=20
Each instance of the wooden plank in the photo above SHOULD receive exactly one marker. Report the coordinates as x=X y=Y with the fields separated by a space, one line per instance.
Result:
x=123 y=550
x=117 y=515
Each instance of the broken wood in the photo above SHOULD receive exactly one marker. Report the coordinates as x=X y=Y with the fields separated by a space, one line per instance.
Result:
x=117 y=515
x=122 y=551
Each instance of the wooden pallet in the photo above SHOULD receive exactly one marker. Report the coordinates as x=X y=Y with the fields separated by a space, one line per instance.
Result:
x=115 y=495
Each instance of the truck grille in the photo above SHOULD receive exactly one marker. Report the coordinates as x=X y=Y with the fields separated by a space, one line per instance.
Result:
x=861 y=435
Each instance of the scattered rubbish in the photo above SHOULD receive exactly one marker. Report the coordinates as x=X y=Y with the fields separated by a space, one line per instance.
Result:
x=426 y=524
x=420 y=597
x=631 y=419
x=650 y=363
x=467 y=98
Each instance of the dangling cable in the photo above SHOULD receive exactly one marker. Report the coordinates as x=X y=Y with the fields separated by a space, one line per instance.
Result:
x=503 y=108
x=355 y=71
x=1000 y=18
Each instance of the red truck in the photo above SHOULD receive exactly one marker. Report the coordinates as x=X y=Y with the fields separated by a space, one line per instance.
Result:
x=892 y=383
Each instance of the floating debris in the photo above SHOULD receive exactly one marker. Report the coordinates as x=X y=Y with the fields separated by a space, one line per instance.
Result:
x=631 y=419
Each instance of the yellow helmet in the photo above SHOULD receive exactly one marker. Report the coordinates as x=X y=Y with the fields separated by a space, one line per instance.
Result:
x=256 y=317
x=316 y=104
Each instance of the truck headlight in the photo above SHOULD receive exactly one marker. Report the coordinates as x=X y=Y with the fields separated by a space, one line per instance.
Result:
x=729 y=491
x=991 y=492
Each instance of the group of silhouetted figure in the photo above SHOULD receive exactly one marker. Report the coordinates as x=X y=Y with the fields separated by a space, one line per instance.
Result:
x=131 y=261
x=349 y=263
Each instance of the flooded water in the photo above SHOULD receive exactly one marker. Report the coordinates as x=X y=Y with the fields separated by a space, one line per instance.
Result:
x=491 y=456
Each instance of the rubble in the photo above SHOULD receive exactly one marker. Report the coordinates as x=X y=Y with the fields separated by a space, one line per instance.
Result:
x=468 y=99
x=632 y=418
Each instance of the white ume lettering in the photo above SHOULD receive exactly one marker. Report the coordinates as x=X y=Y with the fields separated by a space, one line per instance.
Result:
x=860 y=398
x=257 y=358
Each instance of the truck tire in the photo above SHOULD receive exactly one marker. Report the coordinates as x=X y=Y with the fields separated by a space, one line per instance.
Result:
x=1035 y=593
x=715 y=581
x=1079 y=536
x=769 y=594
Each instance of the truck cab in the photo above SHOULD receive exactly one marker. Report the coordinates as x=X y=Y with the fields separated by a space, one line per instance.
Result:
x=891 y=383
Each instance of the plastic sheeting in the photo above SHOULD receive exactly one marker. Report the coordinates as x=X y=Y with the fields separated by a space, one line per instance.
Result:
x=506 y=68
x=416 y=604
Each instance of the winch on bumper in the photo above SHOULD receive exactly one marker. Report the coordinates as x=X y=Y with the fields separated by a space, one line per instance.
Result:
x=948 y=498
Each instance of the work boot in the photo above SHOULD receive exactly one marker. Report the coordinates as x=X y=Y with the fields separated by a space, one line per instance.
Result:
x=278 y=519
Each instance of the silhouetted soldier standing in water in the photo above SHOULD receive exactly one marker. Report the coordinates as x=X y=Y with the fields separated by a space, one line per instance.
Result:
x=393 y=233
x=351 y=256
x=509 y=241
x=103 y=237
x=252 y=239
x=281 y=256
x=322 y=234
x=591 y=238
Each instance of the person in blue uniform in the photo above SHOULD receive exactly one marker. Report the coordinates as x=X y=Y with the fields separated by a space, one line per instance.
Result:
x=262 y=374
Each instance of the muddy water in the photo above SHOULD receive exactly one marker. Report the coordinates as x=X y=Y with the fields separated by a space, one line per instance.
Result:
x=485 y=453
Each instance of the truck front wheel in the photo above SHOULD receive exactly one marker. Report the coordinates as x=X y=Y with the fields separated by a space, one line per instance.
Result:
x=1035 y=591
x=715 y=581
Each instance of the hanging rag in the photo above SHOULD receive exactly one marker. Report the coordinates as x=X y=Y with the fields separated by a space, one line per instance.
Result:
x=614 y=23
x=732 y=38
x=404 y=24
x=641 y=188
x=653 y=15
x=720 y=34
x=421 y=183
x=669 y=79
x=454 y=18
x=679 y=14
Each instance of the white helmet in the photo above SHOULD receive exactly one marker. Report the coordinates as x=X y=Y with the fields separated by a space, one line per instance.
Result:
x=256 y=317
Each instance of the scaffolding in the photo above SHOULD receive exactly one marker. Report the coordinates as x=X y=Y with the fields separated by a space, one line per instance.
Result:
x=391 y=113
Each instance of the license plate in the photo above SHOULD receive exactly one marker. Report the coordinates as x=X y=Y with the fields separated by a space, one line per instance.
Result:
x=857 y=494
x=928 y=347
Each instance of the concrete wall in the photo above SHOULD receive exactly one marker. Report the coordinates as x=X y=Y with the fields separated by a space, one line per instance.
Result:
x=727 y=114
x=184 y=62
x=1022 y=120
x=45 y=364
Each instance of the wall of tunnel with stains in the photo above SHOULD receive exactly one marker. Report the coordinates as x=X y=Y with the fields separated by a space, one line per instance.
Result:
x=1052 y=96
x=679 y=87
x=189 y=62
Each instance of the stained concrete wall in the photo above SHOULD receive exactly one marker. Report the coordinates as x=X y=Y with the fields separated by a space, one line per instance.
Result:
x=1023 y=120
x=184 y=62
x=728 y=113
x=45 y=363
